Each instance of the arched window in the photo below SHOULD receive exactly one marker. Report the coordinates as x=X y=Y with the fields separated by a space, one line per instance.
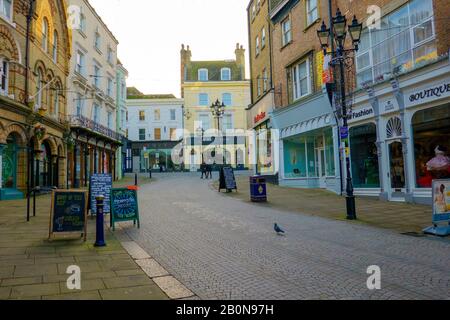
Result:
x=55 y=46
x=225 y=74
x=45 y=34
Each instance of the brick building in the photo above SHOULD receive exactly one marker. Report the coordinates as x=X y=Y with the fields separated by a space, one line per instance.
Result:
x=32 y=95
x=399 y=107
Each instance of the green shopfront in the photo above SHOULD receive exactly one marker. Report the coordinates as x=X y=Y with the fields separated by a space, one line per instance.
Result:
x=11 y=154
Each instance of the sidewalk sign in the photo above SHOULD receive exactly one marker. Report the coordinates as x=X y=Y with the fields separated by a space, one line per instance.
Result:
x=441 y=208
x=68 y=214
x=124 y=206
x=100 y=185
x=227 y=179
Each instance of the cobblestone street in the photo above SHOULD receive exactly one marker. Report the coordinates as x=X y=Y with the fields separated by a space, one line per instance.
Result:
x=223 y=248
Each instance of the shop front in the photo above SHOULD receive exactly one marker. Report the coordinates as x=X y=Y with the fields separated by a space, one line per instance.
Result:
x=400 y=136
x=309 y=156
x=157 y=156
x=264 y=138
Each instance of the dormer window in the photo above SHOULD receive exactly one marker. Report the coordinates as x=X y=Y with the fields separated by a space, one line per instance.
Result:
x=225 y=74
x=203 y=75
x=6 y=8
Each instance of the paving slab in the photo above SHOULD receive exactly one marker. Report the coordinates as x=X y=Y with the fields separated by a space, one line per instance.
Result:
x=149 y=292
x=35 y=290
x=173 y=288
x=152 y=268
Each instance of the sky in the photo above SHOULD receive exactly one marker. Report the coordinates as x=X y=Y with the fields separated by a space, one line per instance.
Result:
x=150 y=34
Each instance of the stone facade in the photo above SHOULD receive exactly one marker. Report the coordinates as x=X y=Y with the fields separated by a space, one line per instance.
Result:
x=33 y=104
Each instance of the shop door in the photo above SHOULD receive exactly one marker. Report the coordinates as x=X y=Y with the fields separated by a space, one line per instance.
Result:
x=321 y=167
x=397 y=172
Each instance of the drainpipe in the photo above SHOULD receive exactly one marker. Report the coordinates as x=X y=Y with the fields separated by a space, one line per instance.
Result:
x=27 y=49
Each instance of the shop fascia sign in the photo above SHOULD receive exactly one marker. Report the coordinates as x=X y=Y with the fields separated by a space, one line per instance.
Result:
x=259 y=117
x=361 y=114
x=432 y=93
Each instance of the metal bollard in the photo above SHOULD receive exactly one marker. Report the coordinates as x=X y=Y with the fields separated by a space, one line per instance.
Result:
x=100 y=236
x=150 y=173
x=135 y=179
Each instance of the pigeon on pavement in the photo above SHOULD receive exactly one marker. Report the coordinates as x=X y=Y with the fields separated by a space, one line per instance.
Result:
x=278 y=230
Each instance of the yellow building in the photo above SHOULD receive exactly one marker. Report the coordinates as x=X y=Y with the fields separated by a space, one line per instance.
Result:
x=208 y=138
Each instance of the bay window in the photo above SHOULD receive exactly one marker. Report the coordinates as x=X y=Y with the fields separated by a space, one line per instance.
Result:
x=405 y=40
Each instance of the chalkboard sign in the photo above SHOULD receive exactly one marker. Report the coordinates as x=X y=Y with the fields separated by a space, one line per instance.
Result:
x=124 y=206
x=100 y=185
x=227 y=179
x=68 y=213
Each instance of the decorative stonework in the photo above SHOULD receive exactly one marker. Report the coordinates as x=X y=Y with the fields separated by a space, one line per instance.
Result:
x=8 y=46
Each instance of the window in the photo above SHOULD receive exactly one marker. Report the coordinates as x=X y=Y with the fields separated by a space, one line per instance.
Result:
x=431 y=133
x=80 y=63
x=83 y=23
x=286 y=29
x=5 y=8
x=301 y=84
x=173 y=114
x=96 y=113
x=204 y=120
x=253 y=11
x=110 y=55
x=80 y=105
x=55 y=47
x=203 y=100
x=258 y=81
x=157 y=113
x=226 y=99
x=4 y=76
x=110 y=87
x=122 y=119
x=141 y=134
x=203 y=75
x=141 y=115
x=257 y=50
x=265 y=78
x=405 y=41
x=109 y=120
x=157 y=133
x=225 y=74
x=56 y=102
x=311 y=11
x=227 y=122
x=44 y=34
x=97 y=41
x=263 y=38
x=97 y=76
x=173 y=133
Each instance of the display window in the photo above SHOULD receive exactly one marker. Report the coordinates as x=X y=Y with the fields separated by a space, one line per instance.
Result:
x=431 y=134
x=364 y=156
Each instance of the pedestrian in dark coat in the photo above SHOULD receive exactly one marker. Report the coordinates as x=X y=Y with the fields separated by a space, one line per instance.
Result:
x=203 y=170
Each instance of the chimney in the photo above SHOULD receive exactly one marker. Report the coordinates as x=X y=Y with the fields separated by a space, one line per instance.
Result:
x=240 y=59
x=185 y=61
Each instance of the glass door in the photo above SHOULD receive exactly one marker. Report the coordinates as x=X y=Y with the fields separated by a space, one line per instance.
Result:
x=321 y=168
x=397 y=171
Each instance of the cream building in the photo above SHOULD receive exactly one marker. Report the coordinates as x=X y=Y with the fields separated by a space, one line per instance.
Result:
x=202 y=84
x=92 y=100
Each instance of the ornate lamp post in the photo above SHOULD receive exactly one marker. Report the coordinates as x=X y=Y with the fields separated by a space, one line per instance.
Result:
x=218 y=110
x=341 y=59
x=201 y=132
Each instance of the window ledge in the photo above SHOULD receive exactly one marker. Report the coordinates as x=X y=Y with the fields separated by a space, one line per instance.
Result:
x=286 y=45
x=81 y=32
x=311 y=25
x=7 y=20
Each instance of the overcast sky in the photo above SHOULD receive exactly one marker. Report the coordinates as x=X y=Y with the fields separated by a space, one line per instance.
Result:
x=150 y=34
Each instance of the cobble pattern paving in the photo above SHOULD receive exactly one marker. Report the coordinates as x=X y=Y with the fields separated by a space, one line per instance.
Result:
x=223 y=248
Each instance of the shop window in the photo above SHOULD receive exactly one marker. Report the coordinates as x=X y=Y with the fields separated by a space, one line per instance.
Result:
x=329 y=153
x=431 y=134
x=295 y=158
x=364 y=157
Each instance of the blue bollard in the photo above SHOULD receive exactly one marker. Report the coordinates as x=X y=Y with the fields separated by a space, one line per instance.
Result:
x=100 y=236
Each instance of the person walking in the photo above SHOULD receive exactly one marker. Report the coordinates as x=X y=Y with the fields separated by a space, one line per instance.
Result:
x=203 y=170
x=209 y=171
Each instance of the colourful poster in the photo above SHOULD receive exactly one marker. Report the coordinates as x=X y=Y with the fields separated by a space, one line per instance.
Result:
x=441 y=201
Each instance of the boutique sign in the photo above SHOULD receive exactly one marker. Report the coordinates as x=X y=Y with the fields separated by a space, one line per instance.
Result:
x=429 y=94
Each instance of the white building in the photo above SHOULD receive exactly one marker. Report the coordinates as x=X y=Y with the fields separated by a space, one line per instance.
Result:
x=155 y=127
x=92 y=97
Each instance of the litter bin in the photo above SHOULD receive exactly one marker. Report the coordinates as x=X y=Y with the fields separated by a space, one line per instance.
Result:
x=258 y=189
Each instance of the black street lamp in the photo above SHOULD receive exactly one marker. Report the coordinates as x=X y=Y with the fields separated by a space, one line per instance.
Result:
x=340 y=58
x=201 y=131
x=218 y=110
